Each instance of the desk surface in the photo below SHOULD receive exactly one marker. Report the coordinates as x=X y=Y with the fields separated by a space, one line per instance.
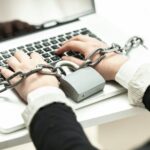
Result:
x=115 y=107
x=101 y=112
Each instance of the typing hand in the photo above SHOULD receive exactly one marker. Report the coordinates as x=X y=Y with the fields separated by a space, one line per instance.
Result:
x=22 y=62
x=108 y=67
x=13 y=28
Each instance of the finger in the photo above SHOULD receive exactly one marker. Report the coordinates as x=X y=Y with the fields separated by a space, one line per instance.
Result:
x=22 y=57
x=73 y=59
x=83 y=38
x=36 y=58
x=13 y=63
x=72 y=46
x=6 y=72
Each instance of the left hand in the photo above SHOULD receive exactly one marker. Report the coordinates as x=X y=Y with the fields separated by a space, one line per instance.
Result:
x=108 y=67
x=22 y=62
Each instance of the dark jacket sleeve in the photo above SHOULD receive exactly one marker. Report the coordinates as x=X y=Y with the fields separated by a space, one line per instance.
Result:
x=146 y=98
x=146 y=101
x=55 y=127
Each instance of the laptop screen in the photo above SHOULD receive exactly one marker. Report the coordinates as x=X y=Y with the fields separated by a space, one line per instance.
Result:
x=19 y=15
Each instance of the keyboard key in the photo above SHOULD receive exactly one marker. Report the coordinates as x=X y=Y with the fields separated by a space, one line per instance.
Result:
x=54 y=47
x=38 y=42
x=68 y=37
x=70 y=53
x=1 y=64
x=45 y=40
x=24 y=50
x=20 y=47
x=85 y=32
x=79 y=56
x=68 y=33
x=12 y=53
x=1 y=79
x=1 y=58
x=48 y=61
x=52 y=38
x=47 y=49
x=84 y=29
x=55 y=58
x=75 y=34
x=6 y=56
x=4 y=52
x=76 y=31
x=61 y=40
x=30 y=49
x=40 y=51
x=38 y=46
x=54 y=42
x=52 y=53
x=29 y=53
x=46 y=55
x=60 y=45
x=12 y=50
x=28 y=45
x=4 y=61
x=46 y=44
x=60 y=35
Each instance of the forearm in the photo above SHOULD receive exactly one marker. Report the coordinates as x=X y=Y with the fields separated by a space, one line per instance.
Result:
x=51 y=123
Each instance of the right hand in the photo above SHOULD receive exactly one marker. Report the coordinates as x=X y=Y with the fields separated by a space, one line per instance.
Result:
x=22 y=62
x=108 y=67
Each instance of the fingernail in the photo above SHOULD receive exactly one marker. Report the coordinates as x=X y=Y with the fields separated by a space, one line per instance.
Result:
x=57 y=51
x=63 y=57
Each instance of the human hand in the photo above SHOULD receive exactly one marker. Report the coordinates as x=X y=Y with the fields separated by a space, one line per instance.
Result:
x=12 y=28
x=108 y=67
x=22 y=62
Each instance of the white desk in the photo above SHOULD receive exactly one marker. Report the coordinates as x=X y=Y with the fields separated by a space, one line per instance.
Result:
x=102 y=112
x=114 y=108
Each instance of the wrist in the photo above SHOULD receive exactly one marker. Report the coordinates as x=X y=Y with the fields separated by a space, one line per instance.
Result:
x=110 y=65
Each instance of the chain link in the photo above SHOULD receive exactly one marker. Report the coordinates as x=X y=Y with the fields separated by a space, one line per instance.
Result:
x=132 y=43
x=18 y=77
x=46 y=69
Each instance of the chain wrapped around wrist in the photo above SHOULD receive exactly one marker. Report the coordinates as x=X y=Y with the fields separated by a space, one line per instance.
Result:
x=132 y=43
x=47 y=69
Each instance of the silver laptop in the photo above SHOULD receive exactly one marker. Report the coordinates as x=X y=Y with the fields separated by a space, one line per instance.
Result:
x=53 y=22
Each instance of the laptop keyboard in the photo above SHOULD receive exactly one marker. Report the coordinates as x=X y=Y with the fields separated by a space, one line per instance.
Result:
x=46 y=48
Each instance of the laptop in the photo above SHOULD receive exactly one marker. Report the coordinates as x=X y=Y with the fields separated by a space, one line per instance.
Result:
x=53 y=22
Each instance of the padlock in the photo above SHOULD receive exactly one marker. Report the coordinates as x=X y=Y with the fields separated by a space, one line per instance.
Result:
x=82 y=83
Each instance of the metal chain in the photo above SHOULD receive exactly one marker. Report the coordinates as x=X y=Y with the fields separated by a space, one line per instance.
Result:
x=18 y=77
x=46 y=69
x=132 y=43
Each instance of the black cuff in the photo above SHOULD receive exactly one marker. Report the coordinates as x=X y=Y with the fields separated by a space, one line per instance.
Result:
x=146 y=98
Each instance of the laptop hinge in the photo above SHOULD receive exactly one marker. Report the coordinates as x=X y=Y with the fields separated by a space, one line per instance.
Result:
x=54 y=23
